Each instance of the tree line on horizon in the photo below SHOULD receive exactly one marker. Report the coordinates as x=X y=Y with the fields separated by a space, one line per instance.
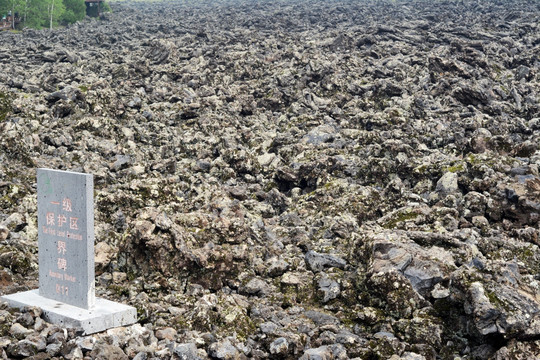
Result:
x=40 y=14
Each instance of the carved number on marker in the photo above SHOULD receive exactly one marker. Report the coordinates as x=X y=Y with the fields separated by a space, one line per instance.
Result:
x=61 y=289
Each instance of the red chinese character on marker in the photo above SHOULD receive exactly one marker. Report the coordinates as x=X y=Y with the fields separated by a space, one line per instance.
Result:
x=66 y=204
x=62 y=264
x=50 y=218
x=61 y=220
x=61 y=247
x=73 y=223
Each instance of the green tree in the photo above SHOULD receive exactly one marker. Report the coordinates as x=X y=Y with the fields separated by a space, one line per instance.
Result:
x=55 y=10
x=40 y=14
x=75 y=11
x=35 y=13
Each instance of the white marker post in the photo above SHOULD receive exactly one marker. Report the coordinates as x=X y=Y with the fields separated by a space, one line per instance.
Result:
x=66 y=257
x=66 y=237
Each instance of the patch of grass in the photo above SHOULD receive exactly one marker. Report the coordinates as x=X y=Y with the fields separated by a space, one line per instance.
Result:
x=456 y=168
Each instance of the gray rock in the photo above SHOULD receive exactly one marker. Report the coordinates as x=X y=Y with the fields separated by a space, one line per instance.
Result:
x=423 y=275
x=142 y=356
x=105 y=351
x=480 y=222
x=121 y=162
x=279 y=346
x=103 y=253
x=148 y=115
x=440 y=292
x=187 y=351
x=522 y=72
x=383 y=334
x=4 y=232
x=268 y=327
x=54 y=349
x=347 y=338
x=501 y=308
x=38 y=341
x=320 y=135
x=48 y=56
x=68 y=93
x=485 y=313
x=23 y=348
x=163 y=221
x=26 y=319
x=255 y=287
x=329 y=288
x=447 y=184
x=166 y=334
x=204 y=165
x=318 y=262
x=19 y=331
x=74 y=354
x=136 y=103
x=223 y=350
x=277 y=267
x=412 y=356
x=335 y=351
x=417 y=264
x=4 y=342
x=320 y=353
x=477 y=94
x=15 y=222
x=320 y=318
x=86 y=343
x=475 y=204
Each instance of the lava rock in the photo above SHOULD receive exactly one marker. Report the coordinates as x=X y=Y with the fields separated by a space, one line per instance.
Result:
x=318 y=262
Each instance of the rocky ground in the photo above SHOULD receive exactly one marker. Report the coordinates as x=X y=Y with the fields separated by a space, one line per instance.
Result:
x=286 y=179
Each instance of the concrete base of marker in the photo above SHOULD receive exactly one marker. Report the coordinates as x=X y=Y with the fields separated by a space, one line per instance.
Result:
x=105 y=315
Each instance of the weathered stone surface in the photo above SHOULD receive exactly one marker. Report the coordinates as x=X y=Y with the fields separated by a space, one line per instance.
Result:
x=186 y=351
x=166 y=333
x=103 y=255
x=329 y=288
x=19 y=331
x=447 y=184
x=277 y=267
x=23 y=348
x=279 y=346
x=321 y=318
x=317 y=262
x=106 y=351
x=423 y=267
x=223 y=350
x=289 y=172
x=4 y=232
x=336 y=351
x=255 y=287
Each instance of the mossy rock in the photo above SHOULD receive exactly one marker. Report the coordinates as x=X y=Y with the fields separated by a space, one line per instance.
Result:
x=119 y=290
x=6 y=105
x=15 y=260
x=400 y=218
x=457 y=168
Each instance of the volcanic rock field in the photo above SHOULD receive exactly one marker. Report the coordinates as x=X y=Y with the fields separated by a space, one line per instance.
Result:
x=285 y=179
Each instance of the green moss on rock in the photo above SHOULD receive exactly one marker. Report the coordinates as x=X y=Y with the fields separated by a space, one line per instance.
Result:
x=6 y=105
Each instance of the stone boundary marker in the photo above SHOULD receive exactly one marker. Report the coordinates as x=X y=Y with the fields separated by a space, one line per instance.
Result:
x=66 y=257
x=66 y=237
